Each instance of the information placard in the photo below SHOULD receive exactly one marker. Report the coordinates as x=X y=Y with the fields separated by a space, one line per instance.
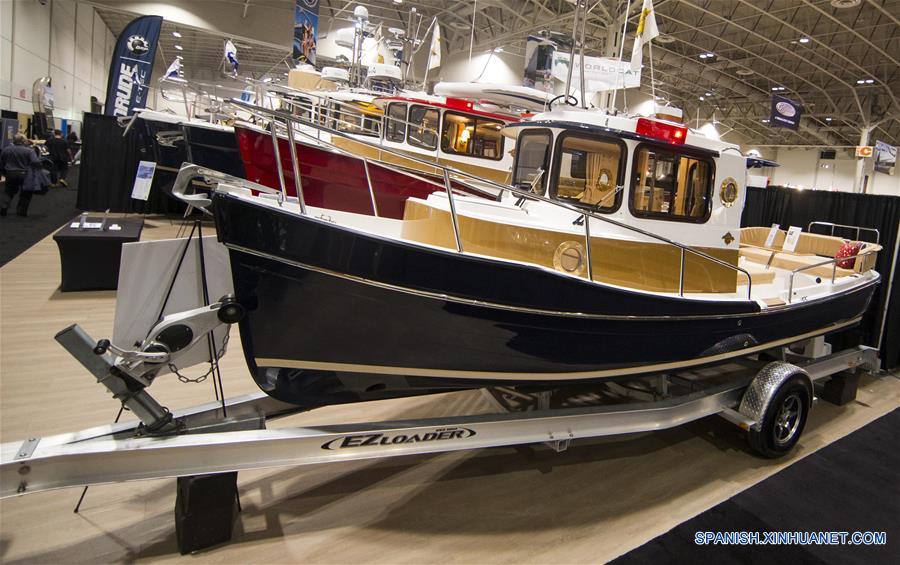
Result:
x=793 y=236
x=143 y=179
x=770 y=239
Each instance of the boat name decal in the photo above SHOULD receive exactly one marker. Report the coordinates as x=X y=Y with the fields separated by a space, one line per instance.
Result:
x=379 y=439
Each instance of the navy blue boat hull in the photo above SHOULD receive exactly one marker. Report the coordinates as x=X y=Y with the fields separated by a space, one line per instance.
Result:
x=337 y=316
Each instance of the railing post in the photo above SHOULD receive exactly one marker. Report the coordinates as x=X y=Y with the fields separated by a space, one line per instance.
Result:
x=453 y=217
x=587 y=247
x=298 y=184
x=681 y=275
x=272 y=127
x=371 y=191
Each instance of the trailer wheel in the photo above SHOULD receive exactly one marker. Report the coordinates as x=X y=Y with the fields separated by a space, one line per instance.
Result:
x=783 y=419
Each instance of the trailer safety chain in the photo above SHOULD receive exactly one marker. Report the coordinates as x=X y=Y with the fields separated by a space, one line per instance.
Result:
x=204 y=376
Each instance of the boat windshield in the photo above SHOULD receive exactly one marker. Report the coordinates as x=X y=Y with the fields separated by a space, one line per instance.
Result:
x=532 y=160
x=587 y=170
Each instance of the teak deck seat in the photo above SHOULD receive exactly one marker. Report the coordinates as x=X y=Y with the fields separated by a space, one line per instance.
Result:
x=811 y=249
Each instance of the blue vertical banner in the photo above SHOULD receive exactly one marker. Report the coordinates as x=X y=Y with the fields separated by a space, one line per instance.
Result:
x=132 y=66
x=306 y=31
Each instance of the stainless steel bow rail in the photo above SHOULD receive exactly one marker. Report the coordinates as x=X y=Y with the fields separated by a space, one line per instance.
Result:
x=201 y=441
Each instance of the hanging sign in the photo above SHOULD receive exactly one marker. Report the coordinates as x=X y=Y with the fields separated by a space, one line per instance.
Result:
x=306 y=31
x=885 y=157
x=864 y=151
x=132 y=66
x=785 y=113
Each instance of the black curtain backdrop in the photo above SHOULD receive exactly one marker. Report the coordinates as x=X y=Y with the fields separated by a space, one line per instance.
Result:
x=792 y=207
x=109 y=163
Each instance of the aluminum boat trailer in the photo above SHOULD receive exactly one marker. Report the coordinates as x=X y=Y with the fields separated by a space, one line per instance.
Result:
x=201 y=445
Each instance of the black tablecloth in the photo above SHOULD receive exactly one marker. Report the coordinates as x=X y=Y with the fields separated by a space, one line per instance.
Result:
x=90 y=257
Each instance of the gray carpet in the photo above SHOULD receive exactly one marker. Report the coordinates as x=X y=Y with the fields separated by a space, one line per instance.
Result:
x=46 y=214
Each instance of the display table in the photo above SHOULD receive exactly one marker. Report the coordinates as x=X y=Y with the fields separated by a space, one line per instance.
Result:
x=90 y=257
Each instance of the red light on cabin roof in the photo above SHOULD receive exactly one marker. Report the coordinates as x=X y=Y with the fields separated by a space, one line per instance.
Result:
x=660 y=130
x=459 y=103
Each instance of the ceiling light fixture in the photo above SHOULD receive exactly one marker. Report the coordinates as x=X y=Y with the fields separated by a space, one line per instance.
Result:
x=869 y=81
x=744 y=72
x=665 y=39
x=398 y=1
x=845 y=3
x=176 y=34
x=179 y=47
x=803 y=40
x=827 y=119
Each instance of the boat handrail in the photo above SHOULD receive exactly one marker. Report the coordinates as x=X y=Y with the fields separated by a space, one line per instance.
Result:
x=832 y=262
x=846 y=226
x=290 y=118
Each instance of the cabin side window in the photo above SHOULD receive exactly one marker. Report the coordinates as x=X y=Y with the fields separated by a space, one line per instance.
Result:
x=423 y=127
x=395 y=125
x=532 y=160
x=352 y=120
x=475 y=137
x=588 y=169
x=300 y=106
x=670 y=186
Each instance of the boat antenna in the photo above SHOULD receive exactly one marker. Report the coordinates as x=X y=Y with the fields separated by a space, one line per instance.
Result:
x=578 y=5
x=409 y=47
x=621 y=72
x=472 y=35
x=581 y=51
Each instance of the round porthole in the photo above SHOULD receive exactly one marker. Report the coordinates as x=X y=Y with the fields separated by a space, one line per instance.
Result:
x=729 y=192
x=569 y=257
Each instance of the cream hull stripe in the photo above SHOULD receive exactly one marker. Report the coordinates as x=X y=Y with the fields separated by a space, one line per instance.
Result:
x=490 y=375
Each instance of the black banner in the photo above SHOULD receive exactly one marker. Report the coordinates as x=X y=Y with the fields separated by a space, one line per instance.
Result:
x=785 y=113
x=132 y=66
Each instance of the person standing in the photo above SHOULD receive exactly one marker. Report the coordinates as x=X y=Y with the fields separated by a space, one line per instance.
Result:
x=58 y=148
x=15 y=160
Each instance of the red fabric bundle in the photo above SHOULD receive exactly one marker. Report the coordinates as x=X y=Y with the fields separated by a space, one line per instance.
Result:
x=850 y=250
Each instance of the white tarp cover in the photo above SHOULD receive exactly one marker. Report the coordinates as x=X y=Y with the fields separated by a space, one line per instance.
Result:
x=146 y=271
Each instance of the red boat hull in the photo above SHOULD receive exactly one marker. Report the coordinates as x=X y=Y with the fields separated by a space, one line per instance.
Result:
x=329 y=179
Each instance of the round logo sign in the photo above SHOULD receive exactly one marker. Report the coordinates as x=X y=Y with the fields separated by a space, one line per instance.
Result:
x=137 y=45
x=786 y=109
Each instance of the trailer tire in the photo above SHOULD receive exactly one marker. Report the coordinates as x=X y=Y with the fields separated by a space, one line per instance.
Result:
x=783 y=420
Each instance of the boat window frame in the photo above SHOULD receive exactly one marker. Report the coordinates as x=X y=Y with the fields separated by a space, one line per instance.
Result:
x=548 y=160
x=409 y=122
x=620 y=178
x=404 y=123
x=340 y=124
x=677 y=150
x=477 y=118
